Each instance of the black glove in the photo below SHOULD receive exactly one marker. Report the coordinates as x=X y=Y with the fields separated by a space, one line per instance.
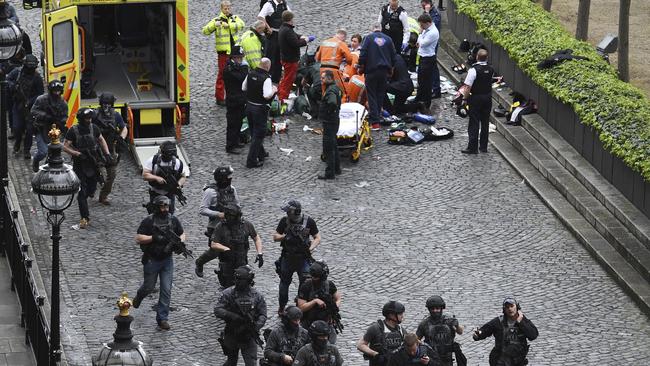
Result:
x=157 y=238
x=234 y=317
x=259 y=260
x=379 y=359
x=108 y=158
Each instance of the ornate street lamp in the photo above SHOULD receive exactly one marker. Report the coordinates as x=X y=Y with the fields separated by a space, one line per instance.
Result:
x=123 y=350
x=55 y=184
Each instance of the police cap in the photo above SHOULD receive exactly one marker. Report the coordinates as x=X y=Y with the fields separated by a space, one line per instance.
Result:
x=319 y=328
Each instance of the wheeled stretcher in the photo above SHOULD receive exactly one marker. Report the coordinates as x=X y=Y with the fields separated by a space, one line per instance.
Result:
x=354 y=130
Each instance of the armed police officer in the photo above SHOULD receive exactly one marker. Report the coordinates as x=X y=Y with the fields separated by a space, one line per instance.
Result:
x=164 y=172
x=159 y=234
x=286 y=339
x=114 y=131
x=293 y=233
x=383 y=336
x=85 y=143
x=233 y=77
x=244 y=310
x=511 y=332
x=319 y=299
x=216 y=196
x=439 y=330
x=26 y=84
x=229 y=242
x=320 y=352
x=48 y=109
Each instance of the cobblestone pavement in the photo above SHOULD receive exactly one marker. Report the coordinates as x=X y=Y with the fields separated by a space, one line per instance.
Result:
x=430 y=221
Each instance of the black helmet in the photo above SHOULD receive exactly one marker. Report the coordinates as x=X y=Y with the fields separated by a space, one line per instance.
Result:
x=319 y=269
x=319 y=328
x=106 y=98
x=232 y=209
x=223 y=173
x=55 y=85
x=292 y=205
x=435 y=302
x=161 y=200
x=85 y=113
x=293 y=312
x=168 y=148
x=244 y=272
x=31 y=62
x=393 y=307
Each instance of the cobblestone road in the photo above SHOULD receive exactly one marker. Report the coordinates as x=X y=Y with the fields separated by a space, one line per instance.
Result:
x=430 y=221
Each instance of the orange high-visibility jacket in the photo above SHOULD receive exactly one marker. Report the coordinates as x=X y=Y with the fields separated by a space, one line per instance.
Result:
x=349 y=68
x=356 y=87
x=331 y=53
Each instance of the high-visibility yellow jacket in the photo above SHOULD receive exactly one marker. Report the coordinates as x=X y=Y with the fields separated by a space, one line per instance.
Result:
x=252 y=47
x=414 y=26
x=226 y=32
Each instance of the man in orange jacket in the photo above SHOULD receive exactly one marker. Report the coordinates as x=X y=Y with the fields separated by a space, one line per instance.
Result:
x=356 y=88
x=331 y=54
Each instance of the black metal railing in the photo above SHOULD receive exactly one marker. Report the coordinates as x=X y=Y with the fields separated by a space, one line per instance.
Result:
x=32 y=315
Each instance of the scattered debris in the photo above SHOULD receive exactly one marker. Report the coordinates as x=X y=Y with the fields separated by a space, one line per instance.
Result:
x=287 y=151
x=308 y=158
x=361 y=184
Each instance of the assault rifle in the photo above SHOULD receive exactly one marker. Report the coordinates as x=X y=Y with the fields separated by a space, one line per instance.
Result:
x=333 y=310
x=92 y=158
x=174 y=242
x=112 y=134
x=250 y=326
x=172 y=185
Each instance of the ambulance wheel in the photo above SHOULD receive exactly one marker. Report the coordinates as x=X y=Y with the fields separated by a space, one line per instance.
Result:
x=354 y=157
x=367 y=142
x=322 y=157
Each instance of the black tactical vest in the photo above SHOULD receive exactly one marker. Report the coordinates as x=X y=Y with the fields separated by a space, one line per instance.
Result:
x=158 y=249
x=483 y=82
x=275 y=19
x=85 y=141
x=390 y=339
x=440 y=335
x=255 y=86
x=23 y=88
x=297 y=240
x=316 y=313
x=392 y=26
x=323 y=359
x=236 y=238
x=156 y=169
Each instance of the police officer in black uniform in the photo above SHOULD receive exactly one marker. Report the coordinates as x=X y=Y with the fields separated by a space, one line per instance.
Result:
x=244 y=310
x=216 y=196
x=259 y=92
x=394 y=23
x=165 y=161
x=233 y=76
x=113 y=128
x=286 y=339
x=383 y=336
x=320 y=352
x=48 y=109
x=511 y=332
x=157 y=258
x=439 y=330
x=293 y=233
x=477 y=90
x=311 y=295
x=229 y=242
x=25 y=84
x=271 y=13
x=85 y=143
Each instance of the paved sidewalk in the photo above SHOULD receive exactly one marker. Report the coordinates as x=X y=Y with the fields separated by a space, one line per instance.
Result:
x=13 y=350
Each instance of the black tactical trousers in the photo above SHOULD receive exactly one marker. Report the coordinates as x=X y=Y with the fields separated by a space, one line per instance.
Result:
x=234 y=117
x=231 y=348
x=479 y=115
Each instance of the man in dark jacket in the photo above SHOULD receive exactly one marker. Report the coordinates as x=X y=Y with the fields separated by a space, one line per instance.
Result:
x=329 y=114
x=290 y=43
x=412 y=352
x=511 y=332
x=401 y=86
x=48 y=109
x=26 y=85
x=376 y=60
x=271 y=14
x=233 y=76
